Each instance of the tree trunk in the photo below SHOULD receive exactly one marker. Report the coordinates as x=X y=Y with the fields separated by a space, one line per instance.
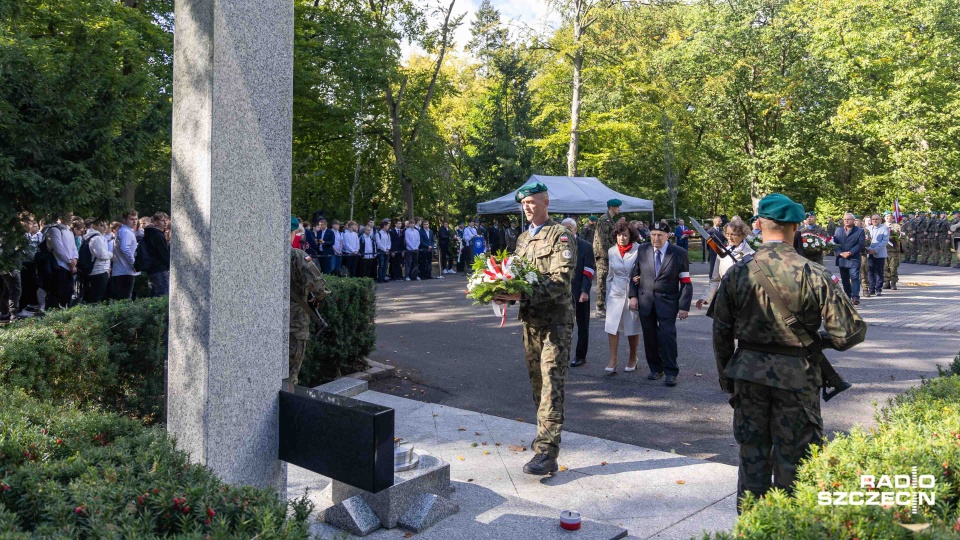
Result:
x=129 y=194
x=407 y=191
x=575 y=100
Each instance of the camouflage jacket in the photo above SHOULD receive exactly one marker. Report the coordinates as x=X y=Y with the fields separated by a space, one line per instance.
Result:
x=816 y=229
x=908 y=227
x=895 y=230
x=955 y=228
x=742 y=310
x=305 y=278
x=944 y=228
x=554 y=252
x=603 y=236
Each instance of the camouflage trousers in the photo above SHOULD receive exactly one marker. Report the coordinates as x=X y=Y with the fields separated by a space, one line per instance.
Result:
x=891 y=268
x=956 y=252
x=775 y=429
x=864 y=272
x=946 y=254
x=297 y=348
x=907 y=255
x=926 y=251
x=601 y=282
x=547 y=352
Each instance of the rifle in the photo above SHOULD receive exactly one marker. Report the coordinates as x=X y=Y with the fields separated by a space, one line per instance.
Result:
x=312 y=307
x=833 y=383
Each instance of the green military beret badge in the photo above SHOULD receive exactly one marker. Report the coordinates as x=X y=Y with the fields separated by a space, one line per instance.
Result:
x=615 y=202
x=779 y=207
x=529 y=189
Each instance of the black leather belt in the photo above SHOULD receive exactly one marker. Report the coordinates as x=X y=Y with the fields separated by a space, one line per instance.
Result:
x=773 y=348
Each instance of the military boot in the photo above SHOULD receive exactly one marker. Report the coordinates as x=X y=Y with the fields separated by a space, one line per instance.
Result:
x=886 y=285
x=893 y=286
x=541 y=465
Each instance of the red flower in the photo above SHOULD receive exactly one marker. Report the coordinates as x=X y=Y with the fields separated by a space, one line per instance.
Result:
x=4 y=486
x=80 y=509
x=59 y=441
x=210 y=512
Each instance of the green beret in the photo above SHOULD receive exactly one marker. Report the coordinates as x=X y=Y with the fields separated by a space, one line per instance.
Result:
x=294 y=224
x=857 y=216
x=956 y=212
x=911 y=213
x=779 y=207
x=814 y=214
x=615 y=202
x=593 y=218
x=888 y=213
x=753 y=218
x=529 y=189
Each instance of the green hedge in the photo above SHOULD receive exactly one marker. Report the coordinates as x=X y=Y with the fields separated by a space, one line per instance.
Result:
x=921 y=428
x=113 y=355
x=349 y=310
x=68 y=473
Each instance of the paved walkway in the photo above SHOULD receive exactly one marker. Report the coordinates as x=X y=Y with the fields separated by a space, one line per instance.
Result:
x=652 y=494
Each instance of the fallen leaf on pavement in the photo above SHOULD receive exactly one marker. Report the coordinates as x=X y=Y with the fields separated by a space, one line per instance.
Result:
x=484 y=443
x=477 y=433
x=563 y=468
x=603 y=463
x=516 y=448
x=474 y=445
x=469 y=479
x=681 y=481
x=685 y=443
x=698 y=374
x=461 y=458
x=461 y=429
x=498 y=444
x=486 y=452
x=519 y=419
x=408 y=535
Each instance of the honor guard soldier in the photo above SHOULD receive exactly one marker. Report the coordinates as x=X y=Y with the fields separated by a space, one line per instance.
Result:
x=909 y=227
x=306 y=285
x=955 y=237
x=602 y=242
x=770 y=306
x=944 y=240
x=891 y=266
x=547 y=315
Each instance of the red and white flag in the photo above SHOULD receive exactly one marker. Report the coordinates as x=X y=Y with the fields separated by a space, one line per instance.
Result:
x=897 y=214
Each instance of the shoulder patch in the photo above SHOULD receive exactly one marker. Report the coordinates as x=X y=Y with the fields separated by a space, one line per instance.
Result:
x=563 y=238
x=834 y=278
x=567 y=254
x=306 y=258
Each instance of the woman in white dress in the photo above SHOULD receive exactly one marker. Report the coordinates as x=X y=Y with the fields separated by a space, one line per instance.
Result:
x=621 y=320
x=736 y=232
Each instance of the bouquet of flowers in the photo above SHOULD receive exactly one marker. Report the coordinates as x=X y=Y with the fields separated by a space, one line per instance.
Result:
x=501 y=274
x=814 y=243
x=755 y=240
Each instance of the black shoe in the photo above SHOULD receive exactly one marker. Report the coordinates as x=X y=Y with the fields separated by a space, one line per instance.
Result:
x=893 y=286
x=577 y=362
x=879 y=292
x=869 y=294
x=541 y=465
x=886 y=285
x=671 y=380
x=856 y=301
x=654 y=376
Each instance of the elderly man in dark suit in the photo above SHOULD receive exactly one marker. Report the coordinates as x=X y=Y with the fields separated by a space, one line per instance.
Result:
x=850 y=240
x=660 y=289
x=580 y=284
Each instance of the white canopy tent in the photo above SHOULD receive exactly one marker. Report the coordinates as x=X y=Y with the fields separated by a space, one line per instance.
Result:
x=570 y=195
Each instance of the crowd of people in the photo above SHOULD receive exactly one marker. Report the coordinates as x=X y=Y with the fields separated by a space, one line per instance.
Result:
x=69 y=260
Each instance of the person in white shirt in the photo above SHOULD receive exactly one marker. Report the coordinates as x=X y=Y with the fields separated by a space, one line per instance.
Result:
x=95 y=283
x=351 y=248
x=337 y=246
x=411 y=237
x=383 y=250
x=61 y=243
x=468 y=235
x=736 y=232
x=368 y=266
x=124 y=253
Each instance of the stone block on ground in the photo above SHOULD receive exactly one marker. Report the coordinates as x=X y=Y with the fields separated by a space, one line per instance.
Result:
x=425 y=511
x=353 y=515
x=344 y=386
x=431 y=475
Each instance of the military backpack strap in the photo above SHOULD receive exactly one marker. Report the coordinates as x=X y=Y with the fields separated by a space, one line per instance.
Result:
x=791 y=319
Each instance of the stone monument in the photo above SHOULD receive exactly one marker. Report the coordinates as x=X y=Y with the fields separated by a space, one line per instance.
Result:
x=231 y=161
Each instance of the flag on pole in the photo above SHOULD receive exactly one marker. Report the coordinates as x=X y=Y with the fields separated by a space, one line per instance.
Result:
x=897 y=214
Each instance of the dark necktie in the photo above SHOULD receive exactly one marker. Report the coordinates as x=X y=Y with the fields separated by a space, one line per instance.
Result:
x=656 y=264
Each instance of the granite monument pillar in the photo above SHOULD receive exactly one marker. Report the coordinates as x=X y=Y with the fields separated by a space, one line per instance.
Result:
x=231 y=161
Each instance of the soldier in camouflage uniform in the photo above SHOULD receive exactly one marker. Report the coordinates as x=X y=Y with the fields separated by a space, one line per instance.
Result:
x=933 y=237
x=909 y=228
x=891 y=267
x=944 y=241
x=305 y=278
x=547 y=315
x=770 y=377
x=587 y=233
x=602 y=242
x=926 y=239
x=955 y=237
x=864 y=259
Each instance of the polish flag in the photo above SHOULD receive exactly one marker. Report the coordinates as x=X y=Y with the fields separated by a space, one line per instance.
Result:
x=588 y=272
x=897 y=214
x=684 y=277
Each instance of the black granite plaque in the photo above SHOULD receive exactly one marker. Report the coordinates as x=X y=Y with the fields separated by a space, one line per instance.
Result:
x=342 y=438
